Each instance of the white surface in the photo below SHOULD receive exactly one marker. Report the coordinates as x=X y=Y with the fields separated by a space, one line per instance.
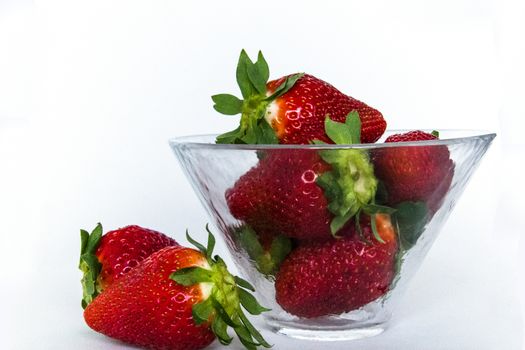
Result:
x=90 y=92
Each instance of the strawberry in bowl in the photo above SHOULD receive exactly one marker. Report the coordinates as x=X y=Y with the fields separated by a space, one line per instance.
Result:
x=273 y=205
x=291 y=109
x=328 y=224
x=338 y=275
x=415 y=173
x=307 y=195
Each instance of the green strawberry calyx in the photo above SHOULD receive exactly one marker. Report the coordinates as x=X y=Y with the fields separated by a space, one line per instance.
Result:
x=410 y=220
x=350 y=186
x=252 y=79
x=267 y=259
x=89 y=264
x=224 y=296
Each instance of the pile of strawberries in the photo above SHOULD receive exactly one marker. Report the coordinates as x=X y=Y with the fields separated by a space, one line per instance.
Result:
x=143 y=288
x=328 y=225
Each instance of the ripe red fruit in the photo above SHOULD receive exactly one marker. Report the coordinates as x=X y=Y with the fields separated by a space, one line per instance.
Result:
x=422 y=173
x=334 y=276
x=306 y=194
x=298 y=115
x=178 y=298
x=415 y=135
x=104 y=259
x=281 y=195
x=289 y=110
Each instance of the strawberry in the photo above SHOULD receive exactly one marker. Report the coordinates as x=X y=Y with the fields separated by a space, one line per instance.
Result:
x=280 y=194
x=422 y=173
x=106 y=258
x=178 y=298
x=289 y=110
x=306 y=193
x=334 y=276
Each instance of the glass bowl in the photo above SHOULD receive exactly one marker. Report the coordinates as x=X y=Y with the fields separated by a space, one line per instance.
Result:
x=330 y=271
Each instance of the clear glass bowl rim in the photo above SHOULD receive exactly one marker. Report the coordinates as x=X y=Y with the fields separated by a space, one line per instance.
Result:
x=474 y=135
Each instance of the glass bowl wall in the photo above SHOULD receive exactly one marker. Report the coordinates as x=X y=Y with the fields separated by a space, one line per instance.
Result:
x=213 y=169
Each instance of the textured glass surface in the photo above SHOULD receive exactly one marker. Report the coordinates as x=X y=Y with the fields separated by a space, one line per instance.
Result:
x=214 y=169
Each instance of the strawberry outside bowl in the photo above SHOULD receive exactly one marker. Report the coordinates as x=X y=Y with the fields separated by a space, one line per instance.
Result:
x=330 y=235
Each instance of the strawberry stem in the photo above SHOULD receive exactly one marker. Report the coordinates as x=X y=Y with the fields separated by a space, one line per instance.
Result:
x=350 y=185
x=89 y=264
x=252 y=79
x=373 y=225
x=223 y=305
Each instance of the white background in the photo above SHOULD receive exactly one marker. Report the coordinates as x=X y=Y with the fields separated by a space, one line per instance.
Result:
x=91 y=90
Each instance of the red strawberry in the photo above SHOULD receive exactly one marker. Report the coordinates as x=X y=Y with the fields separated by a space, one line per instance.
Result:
x=104 y=259
x=321 y=278
x=306 y=193
x=178 y=298
x=416 y=135
x=281 y=194
x=422 y=173
x=289 y=110
x=298 y=115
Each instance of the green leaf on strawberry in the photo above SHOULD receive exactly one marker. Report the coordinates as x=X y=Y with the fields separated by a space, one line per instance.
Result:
x=259 y=73
x=227 y=294
x=344 y=133
x=350 y=185
x=193 y=275
x=201 y=312
x=373 y=208
x=89 y=264
x=252 y=79
x=243 y=283
x=249 y=302
x=267 y=258
x=243 y=79
x=288 y=83
x=410 y=219
x=227 y=104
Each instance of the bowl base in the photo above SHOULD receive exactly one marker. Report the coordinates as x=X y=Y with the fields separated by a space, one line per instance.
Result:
x=326 y=333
